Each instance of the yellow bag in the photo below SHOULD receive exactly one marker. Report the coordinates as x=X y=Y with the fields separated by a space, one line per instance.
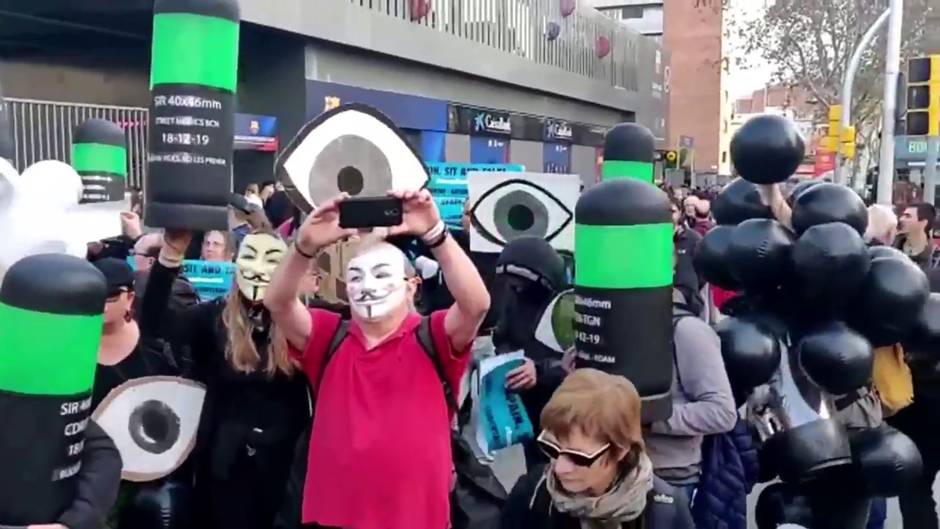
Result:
x=892 y=378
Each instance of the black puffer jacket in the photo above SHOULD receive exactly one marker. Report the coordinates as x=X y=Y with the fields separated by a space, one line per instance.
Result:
x=530 y=507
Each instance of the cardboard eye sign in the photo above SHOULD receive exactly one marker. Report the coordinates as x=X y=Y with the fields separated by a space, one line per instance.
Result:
x=354 y=149
x=153 y=422
x=507 y=206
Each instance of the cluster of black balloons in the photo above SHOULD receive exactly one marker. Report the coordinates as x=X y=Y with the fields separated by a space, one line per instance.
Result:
x=811 y=292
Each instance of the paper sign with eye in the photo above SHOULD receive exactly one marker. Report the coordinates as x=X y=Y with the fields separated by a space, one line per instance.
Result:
x=354 y=149
x=556 y=326
x=506 y=207
x=153 y=422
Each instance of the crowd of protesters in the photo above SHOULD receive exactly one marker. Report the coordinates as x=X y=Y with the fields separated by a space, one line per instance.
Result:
x=346 y=413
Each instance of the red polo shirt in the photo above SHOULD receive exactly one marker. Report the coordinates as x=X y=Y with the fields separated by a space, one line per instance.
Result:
x=379 y=453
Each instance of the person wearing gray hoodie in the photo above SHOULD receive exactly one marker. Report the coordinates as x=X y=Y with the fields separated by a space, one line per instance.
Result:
x=702 y=403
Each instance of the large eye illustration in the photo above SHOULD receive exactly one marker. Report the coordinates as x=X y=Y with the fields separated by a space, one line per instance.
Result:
x=353 y=149
x=153 y=422
x=556 y=327
x=505 y=209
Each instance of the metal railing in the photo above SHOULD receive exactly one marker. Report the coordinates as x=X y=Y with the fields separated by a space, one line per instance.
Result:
x=42 y=130
x=521 y=27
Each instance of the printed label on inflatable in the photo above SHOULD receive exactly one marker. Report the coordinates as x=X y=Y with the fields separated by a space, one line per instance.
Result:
x=448 y=185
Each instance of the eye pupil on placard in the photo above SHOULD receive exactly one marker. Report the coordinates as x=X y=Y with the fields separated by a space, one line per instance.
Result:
x=352 y=164
x=349 y=180
x=521 y=217
x=154 y=426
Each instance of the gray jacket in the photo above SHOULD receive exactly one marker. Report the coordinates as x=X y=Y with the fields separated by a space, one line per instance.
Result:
x=702 y=403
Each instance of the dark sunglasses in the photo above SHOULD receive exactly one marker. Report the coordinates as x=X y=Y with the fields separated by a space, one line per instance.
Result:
x=553 y=451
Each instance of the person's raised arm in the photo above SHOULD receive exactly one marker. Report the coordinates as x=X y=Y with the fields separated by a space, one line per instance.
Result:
x=773 y=197
x=471 y=299
x=282 y=297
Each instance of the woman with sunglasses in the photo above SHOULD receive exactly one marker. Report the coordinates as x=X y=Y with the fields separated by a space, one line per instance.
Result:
x=599 y=476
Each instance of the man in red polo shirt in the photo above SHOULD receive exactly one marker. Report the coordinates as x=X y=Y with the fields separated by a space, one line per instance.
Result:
x=379 y=454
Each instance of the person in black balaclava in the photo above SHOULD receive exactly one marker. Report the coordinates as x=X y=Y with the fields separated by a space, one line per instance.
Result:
x=529 y=274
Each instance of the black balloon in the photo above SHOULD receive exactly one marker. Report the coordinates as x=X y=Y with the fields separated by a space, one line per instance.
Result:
x=827 y=202
x=782 y=503
x=759 y=254
x=924 y=338
x=750 y=350
x=830 y=262
x=800 y=188
x=711 y=258
x=890 y=300
x=887 y=460
x=739 y=201
x=836 y=358
x=885 y=251
x=767 y=149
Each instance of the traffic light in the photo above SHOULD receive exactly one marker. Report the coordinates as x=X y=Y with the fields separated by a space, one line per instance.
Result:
x=830 y=143
x=848 y=142
x=671 y=159
x=923 y=96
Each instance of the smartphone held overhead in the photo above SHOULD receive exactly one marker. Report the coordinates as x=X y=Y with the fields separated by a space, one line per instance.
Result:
x=370 y=212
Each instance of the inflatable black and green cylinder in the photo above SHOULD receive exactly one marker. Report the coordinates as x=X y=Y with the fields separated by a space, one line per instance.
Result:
x=99 y=156
x=193 y=83
x=629 y=150
x=623 y=281
x=51 y=308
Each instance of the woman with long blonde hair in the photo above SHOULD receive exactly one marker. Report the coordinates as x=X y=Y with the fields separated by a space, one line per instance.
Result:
x=256 y=398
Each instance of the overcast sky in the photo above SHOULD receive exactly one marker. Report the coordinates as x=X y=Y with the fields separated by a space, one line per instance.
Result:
x=744 y=82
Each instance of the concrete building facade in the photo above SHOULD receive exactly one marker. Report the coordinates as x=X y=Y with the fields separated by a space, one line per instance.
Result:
x=699 y=112
x=559 y=79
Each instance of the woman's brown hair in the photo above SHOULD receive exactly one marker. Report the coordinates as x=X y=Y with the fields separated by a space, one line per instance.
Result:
x=240 y=349
x=602 y=406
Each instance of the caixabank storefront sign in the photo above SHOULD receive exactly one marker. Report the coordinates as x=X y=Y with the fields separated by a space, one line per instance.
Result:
x=479 y=121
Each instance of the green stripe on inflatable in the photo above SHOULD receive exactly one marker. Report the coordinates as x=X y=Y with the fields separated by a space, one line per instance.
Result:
x=636 y=256
x=47 y=354
x=615 y=169
x=194 y=49
x=99 y=158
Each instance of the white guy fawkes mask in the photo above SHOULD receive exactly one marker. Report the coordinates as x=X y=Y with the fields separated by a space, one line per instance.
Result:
x=375 y=282
x=258 y=257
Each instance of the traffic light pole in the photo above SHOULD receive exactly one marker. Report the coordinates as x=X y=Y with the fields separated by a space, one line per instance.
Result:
x=848 y=83
x=930 y=170
x=892 y=67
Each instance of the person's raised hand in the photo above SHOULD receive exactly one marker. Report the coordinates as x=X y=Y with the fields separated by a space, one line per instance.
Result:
x=177 y=241
x=321 y=228
x=419 y=213
x=522 y=377
x=130 y=225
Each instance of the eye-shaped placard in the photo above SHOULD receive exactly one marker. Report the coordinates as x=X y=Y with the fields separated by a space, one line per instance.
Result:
x=506 y=207
x=352 y=148
x=153 y=422
x=556 y=326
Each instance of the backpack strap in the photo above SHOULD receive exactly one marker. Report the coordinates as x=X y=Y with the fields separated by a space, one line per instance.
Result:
x=342 y=330
x=423 y=333
x=677 y=316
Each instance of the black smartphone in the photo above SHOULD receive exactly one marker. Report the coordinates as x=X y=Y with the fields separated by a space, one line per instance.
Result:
x=369 y=212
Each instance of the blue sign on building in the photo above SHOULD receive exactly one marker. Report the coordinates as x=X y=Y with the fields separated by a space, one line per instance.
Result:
x=448 y=185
